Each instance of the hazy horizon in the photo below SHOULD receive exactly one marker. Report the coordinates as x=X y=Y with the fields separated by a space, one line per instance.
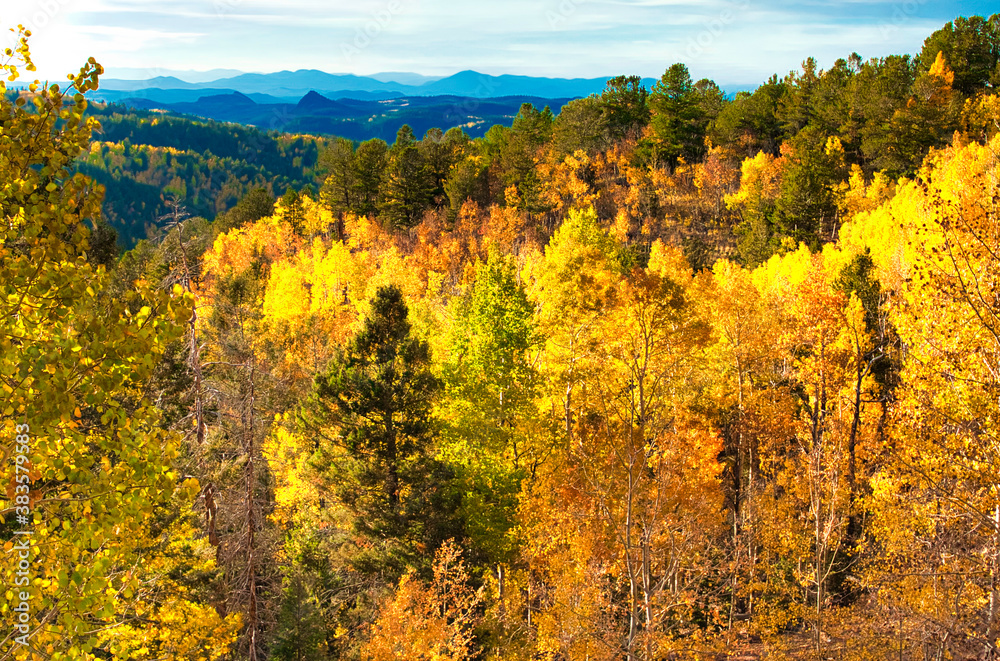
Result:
x=557 y=39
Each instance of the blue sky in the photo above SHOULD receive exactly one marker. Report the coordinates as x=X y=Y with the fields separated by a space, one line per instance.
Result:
x=731 y=41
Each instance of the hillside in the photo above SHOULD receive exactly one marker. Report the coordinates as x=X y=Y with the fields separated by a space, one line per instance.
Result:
x=144 y=159
x=356 y=119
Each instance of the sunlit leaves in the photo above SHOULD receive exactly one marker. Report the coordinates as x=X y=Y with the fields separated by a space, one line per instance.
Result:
x=74 y=363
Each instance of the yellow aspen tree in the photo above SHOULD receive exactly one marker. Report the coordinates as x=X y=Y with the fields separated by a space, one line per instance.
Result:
x=432 y=620
x=642 y=484
x=88 y=468
x=943 y=486
x=742 y=350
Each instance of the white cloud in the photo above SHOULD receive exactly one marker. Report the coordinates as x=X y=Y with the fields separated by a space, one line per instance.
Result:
x=120 y=39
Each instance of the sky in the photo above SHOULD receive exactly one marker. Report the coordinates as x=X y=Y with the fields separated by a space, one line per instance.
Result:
x=730 y=41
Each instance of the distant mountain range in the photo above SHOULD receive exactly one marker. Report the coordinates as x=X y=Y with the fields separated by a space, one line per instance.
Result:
x=138 y=74
x=296 y=84
x=346 y=105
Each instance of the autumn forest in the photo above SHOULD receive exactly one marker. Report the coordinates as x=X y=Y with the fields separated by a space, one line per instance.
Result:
x=663 y=374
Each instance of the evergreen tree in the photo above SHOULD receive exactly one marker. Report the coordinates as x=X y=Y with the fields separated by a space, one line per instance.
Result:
x=970 y=46
x=376 y=399
x=529 y=132
x=749 y=123
x=679 y=121
x=625 y=102
x=581 y=124
x=806 y=208
x=256 y=204
x=340 y=188
x=408 y=184
x=370 y=163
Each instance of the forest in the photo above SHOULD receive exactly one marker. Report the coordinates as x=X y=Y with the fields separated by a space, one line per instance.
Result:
x=146 y=161
x=666 y=375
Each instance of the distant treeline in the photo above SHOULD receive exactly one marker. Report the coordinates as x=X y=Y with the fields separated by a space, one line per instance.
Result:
x=144 y=159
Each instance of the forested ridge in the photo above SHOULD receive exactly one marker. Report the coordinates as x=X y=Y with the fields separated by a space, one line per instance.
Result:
x=666 y=375
x=146 y=160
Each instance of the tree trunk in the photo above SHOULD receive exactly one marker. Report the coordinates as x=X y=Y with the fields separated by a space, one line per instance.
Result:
x=391 y=467
x=250 y=514
x=646 y=596
x=501 y=587
x=991 y=635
